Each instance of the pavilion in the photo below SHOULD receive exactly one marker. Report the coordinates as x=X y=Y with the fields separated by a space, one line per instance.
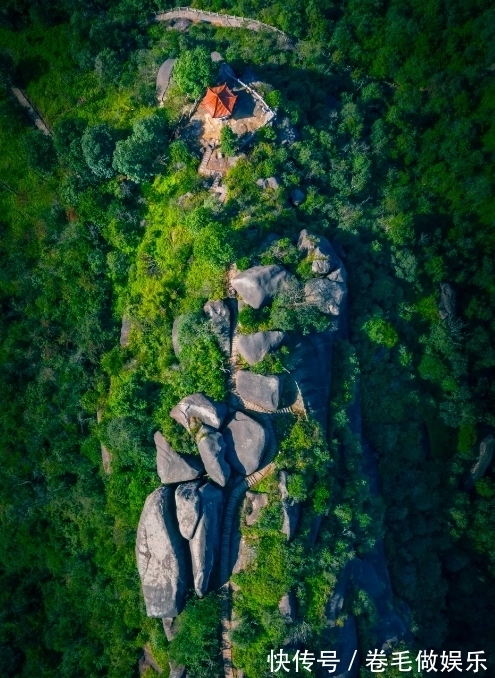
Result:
x=219 y=101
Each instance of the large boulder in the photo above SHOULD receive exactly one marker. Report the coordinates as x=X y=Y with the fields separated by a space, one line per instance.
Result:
x=323 y=256
x=197 y=409
x=205 y=544
x=254 y=347
x=173 y=467
x=485 y=454
x=253 y=503
x=160 y=555
x=244 y=554
x=446 y=307
x=310 y=364
x=188 y=506
x=259 y=284
x=327 y=295
x=343 y=640
x=264 y=391
x=219 y=314
x=246 y=441
x=291 y=510
x=211 y=446
x=287 y=606
x=297 y=196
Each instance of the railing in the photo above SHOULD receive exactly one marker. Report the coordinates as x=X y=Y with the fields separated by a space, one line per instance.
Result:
x=203 y=15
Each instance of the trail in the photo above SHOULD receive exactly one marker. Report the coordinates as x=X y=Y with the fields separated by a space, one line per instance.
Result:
x=226 y=20
x=238 y=491
x=32 y=112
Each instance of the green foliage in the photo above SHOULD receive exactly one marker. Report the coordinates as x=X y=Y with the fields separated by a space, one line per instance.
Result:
x=290 y=311
x=228 y=141
x=98 y=145
x=139 y=155
x=193 y=71
x=381 y=332
x=197 y=643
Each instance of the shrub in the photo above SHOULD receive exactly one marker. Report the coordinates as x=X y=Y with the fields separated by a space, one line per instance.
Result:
x=98 y=145
x=193 y=71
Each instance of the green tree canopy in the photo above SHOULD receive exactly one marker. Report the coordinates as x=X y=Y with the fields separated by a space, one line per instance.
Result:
x=193 y=71
x=98 y=145
x=137 y=155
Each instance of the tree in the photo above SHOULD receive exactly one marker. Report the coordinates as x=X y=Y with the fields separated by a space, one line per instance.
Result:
x=228 y=141
x=138 y=155
x=193 y=71
x=98 y=145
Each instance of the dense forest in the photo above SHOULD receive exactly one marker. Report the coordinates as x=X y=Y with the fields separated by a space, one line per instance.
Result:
x=393 y=106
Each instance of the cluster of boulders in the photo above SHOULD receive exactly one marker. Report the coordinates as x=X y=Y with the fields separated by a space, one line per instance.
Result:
x=180 y=525
x=179 y=532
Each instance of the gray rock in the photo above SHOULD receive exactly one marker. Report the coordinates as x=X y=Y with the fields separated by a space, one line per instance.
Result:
x=336 y=601
x=246 y=441
x=254 y=347
x=261 y=390
x=160 y=555
x=177 y=671
x=343 y=640
x=180 y=25
x=219 y=314
x=328 y=296
x=205 y=544
x=286 y=133
x=188 y=506
x=310 y=363
x=297 y=196
x=259 y=284
x=446 y=306
x=197 y=409
x=339 y=275
x=253 y=503
x=245 y=556
x=170 y=628
x=270 y=182
x=487 y=447
x=211 y=446
x=287 y=606
x=291 y=510
x=125 y=330
x=173 y=467
x=324 y=257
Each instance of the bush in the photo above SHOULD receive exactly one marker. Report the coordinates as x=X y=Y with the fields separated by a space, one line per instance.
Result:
x=193 y=71
x=138 y=155
x=98 y=145
x=229 y=141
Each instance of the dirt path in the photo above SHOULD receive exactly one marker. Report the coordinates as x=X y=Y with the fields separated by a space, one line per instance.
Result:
x=163 y=78
x=32 y=112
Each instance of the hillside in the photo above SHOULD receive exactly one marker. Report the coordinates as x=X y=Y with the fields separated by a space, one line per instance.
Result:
x=247 y=357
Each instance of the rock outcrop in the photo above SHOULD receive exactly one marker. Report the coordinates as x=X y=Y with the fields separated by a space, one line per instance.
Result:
x=173 y=467
x=327 y=295
x=287 y=606
x=446 y=307
x=188 y=504
x=170 y=628
x=205 y=543
x=197 y=409
x=253 y=503
x=310 y=364
x=259 y=284
x=160 y=555
x=219 y=314
x=485 y=455
x=254 y=347
x=291 y=510
x=211 y=446
x=323 y=256
x=297 y=196
x=246 y=440
x=261 y=390
x=244 y=554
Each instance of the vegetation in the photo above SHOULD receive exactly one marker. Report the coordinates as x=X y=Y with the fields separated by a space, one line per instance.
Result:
x=393 y=106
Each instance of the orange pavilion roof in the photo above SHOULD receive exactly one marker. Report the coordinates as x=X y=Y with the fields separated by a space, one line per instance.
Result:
x=219 y=101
